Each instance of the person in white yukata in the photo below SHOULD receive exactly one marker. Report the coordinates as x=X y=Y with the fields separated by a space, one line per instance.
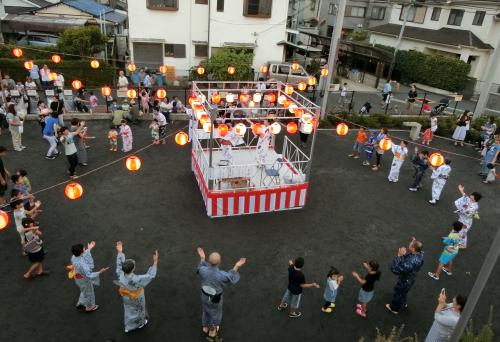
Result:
x=213 y=281
x=131 y=289
x=226 y=145
x=263 y=144
x=400 y=154
x=446 y=317
x=467 y=209
x=85 y=278
x=439 y=177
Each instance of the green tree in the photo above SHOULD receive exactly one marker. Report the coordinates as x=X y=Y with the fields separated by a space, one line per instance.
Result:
x=216 y=66
x=84 y=41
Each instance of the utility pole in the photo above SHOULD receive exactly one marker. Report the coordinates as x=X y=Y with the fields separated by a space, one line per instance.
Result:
x=337 y=32
x=398 y=43
x=488 y=82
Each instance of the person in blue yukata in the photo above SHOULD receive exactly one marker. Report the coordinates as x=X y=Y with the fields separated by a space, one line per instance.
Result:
x=405 y=265
x=213 y=281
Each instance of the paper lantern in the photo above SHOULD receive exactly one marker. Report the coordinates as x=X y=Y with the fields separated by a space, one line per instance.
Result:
x=311 y=80
x=307 y=127
x=191 y=99
x=201 y=98
x=200 y=70
x=230 y=98
x=436 y=159
x=56 y=59
x=94 y=64
x=264 y=69
x=287 y=103
x=52 y=76
x=385 y=144
x=257 y=97
x=161 y=93
x=204 y=118
x=306 y=118
x=295 y=66
x=240 y=129
x=216 y=98
x=298 y=112
x=289 y=89
x=251 y=104
x=133 y=163
x=162 y=69
x=73 y=190
x=17 y=52
x=244 y=97
x=207 y=126
x=271 y=98
x=131 y=94
x=28 y=65
x=181 y=138
x=291 y=127
x=223 y=130
x=258 y=129
x=292 y=107
x=275 y=128
x=4 y=220
x=315 y=122
x=106 y=91
x=231 y=70
x=131 y=67
x=302 y=86
x=342 y=129
x=324 y=72
x=76 y=84
x=281 y=99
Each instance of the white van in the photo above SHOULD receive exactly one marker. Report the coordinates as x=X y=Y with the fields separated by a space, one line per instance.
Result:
x=282 y=71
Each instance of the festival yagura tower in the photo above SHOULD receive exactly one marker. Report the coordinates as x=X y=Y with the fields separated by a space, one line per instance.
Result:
x=245 y=157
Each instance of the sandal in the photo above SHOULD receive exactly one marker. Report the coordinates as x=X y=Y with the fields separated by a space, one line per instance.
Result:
x=93 y=309
x=282 y=307
x=360 y=312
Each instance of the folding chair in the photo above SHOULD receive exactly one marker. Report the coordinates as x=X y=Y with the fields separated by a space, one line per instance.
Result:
x=273 y=173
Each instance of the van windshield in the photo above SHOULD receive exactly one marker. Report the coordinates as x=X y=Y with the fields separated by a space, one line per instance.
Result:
x=283 y=69
x=300 y=72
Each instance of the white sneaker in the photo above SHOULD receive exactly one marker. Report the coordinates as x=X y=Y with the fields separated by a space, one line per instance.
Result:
x=432 y=201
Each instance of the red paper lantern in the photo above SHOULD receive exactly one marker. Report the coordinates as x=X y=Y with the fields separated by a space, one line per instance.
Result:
x=223 y=130
x=56 y=59
x=200 y=70
x=133 y=163
x=295 y=66
x=291 y=127
x=4 y=219
x=131 y=94
x=131 y=67
x=73 y=190
x=105 y=91
x=161 y=94
x=302 y=86
x=287 y=103
x=162 y=69
x=76 y=84
x=216 y=98
x=94 y=64
x=204 y=118
x=244 y=97
x=231 y=70
x=271 y=97
x=181 y=138
x=191 y=100
x=264 y=69
x=342 y=129
x=28 y=65
x=258 y=129
x=52 y=76
x=385 y=144
x=436 y=159
x=17 y=52
x=299 y=112
x=324 y=72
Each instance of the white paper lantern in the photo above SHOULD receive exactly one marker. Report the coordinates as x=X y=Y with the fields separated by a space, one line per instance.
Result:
x=292 y=107
x=307 y=128
x=281 y=99
x=230 y=98
x=275 y=128
x=240 y=129
x=306 y=118
x=257 y=97
x=207 y=126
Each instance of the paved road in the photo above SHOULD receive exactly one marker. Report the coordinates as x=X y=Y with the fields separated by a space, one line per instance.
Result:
x=352 y=215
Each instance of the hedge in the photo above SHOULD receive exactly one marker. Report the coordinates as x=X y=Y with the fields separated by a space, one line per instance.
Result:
x=71 y=69
x=432 y=70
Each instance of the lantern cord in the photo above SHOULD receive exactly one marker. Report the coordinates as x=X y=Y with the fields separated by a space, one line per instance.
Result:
x=416 y=143
x=97 y=168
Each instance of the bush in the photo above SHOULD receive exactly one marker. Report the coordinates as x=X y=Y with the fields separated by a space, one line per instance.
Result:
x=432 y=70
x=396 y=335
x=486 y=334
x=216 y=66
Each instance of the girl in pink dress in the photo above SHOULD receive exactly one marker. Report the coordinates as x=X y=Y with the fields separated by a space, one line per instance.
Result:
x=126 y=134
x=145 y=101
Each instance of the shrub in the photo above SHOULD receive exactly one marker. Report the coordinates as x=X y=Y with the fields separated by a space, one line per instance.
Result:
x=486 y=334
x=216 y=66
x=396 y=335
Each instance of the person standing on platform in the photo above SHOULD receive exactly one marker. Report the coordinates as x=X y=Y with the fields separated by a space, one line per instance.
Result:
x=467 y=209
x=82 y=264
x=213 y=281
x=131 y=289
x=405 y=265
x=263 y=144
x=400 y=154
x=439 y=176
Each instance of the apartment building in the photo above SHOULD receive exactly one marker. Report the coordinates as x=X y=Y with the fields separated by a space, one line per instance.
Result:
x=182 y=33
x=468 y=30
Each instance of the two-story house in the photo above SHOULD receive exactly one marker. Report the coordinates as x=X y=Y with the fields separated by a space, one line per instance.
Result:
x=182 y=33
x=468 y=30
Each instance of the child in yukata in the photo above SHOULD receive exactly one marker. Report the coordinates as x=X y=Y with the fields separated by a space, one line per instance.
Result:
x=113 y=139
x=427 y=137
x=467 y=209
x=126 y=134
x=452 y=242
x=370 y=142
x=155 y=131
x=400 y=154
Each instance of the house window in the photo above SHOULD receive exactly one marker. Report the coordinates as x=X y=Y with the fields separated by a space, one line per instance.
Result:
x=163 y=5
x=220 y=5
x=436 y=13
x=478 y=18
x=257 y=8
x=201 y=50
x=358 y=12
x=201 y=2
x=331 y=8
x=378 y=13
x=455 y=17
x=415 y=14
x=175 y=50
